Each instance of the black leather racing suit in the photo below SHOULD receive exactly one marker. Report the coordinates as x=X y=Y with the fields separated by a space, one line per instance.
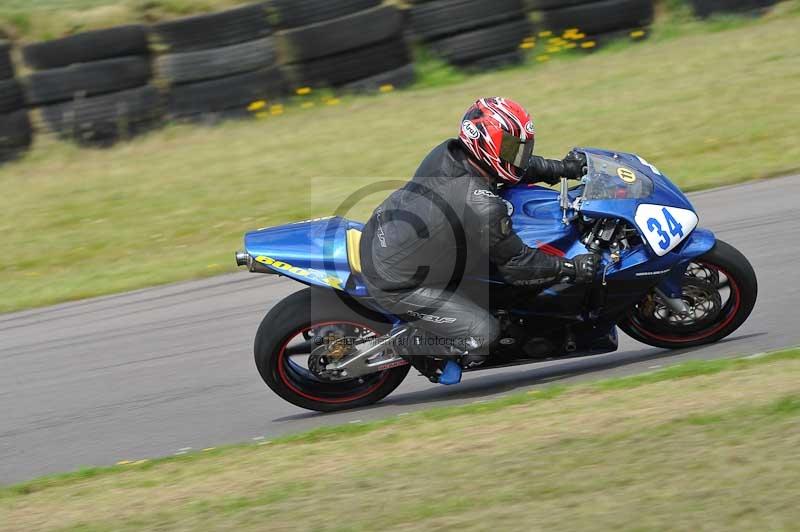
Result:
x=445 y=224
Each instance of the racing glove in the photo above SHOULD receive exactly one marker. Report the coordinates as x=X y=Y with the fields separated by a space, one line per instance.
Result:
x=580 y=270
x=550 y=171
x=574 y=165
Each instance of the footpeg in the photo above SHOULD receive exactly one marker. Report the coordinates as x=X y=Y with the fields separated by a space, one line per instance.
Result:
x=473 y=361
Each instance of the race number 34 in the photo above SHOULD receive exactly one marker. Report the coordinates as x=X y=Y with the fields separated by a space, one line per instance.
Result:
x=664 y=227
x=675 y=229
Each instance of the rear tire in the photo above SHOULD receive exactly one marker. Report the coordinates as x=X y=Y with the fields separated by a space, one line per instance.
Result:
x=743 y=287
x=295 y=315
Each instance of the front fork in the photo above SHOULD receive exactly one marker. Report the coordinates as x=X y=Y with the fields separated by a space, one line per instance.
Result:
x=670 y=290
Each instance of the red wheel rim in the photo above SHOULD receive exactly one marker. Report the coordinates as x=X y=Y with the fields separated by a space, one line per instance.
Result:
x=734 y=303
x=283 y=359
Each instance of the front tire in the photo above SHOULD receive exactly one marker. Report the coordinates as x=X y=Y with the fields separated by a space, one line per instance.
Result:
x=300 y=317
x=723 y=270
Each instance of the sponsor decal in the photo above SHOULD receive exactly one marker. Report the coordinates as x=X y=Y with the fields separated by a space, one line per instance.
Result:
x=300 y=222
x=648 y=274
x=313 y=220
x=650 y=166
x=470 y=129
x=626 y=174
x=429 y=317
x=529 y=128
x=484 y=192
x=308 y=273
x=380 y=233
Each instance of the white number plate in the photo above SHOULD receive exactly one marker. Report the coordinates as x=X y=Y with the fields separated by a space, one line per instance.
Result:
x=665 y=227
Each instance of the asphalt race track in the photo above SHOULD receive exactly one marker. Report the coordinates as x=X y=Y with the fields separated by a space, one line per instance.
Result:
x=165 y=370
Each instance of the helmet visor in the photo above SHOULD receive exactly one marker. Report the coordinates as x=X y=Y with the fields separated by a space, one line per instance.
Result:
x=515 y=151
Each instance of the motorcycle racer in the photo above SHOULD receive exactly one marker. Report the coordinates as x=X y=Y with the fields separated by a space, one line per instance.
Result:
x=442 y=225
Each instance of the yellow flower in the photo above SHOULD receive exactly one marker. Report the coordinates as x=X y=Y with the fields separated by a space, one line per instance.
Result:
x=333 y=101
x=256 y=105
x=276 y=109
x=386 y=88
x=637 y=34
x=302 y=91
x=527 y=45
x=588 y=44
x=542 y=58
x=545 y=33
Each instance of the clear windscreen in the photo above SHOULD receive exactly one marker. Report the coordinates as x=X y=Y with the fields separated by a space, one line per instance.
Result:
x=609 y=178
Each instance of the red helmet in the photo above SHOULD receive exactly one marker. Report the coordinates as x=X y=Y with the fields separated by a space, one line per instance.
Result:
x=499 y=133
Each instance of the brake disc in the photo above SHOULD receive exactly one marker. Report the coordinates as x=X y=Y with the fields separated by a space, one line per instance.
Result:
x=333 y=344
x=701 y=297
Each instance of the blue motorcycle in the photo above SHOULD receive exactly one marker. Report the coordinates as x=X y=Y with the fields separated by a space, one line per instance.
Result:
x=664 y=282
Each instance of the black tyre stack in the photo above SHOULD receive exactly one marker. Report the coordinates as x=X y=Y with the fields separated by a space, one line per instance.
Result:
x=94 y=87
x=15 y=126
x=350 y=44
x=706 y=8
x=472 y=33
x=589 y=24
x=218 y=64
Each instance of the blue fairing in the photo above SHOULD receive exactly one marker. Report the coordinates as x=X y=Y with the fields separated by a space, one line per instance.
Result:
x=537 y=218
x=664 y=192
x=313 y=252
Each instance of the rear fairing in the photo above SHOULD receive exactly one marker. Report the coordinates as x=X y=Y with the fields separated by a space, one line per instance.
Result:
x=313 y=252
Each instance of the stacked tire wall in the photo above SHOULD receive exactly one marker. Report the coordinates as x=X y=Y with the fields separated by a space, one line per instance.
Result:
x=94 y=87
x=218 y=64
x=15 y=126
x=354 y=44
x=589 y=24
x=471 y=33
x=706 y=8
x=101 y=86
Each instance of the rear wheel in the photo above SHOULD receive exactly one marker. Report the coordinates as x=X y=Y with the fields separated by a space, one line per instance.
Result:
x=297 y=326
x=720 y=288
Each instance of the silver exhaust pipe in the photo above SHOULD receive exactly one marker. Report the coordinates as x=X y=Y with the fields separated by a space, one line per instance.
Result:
x=243 y=258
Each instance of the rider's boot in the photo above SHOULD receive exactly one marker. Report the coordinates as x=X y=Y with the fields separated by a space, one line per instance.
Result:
x=444 y=368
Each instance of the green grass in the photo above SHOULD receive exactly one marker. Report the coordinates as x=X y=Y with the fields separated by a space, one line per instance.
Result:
x=707 y=108
x=30 y=20
x=706 y=445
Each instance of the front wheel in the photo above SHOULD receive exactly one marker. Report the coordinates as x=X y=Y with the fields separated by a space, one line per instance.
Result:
x=292 y=330
x=720 y=289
